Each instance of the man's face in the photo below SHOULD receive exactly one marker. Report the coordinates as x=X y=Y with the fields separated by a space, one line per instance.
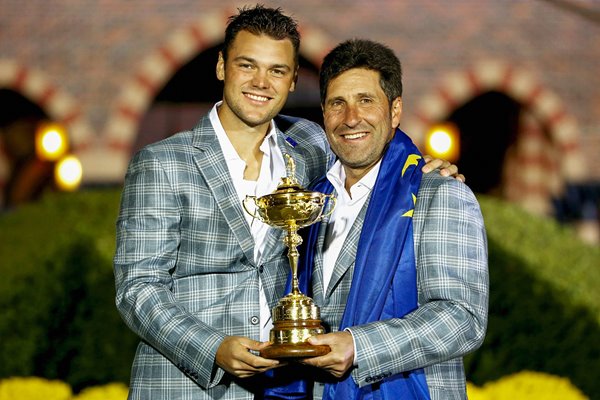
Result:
x=358 y=119
x=258 y=76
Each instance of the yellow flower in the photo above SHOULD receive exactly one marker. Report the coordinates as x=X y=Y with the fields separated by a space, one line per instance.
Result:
x=32 y=388
x=527 y=385
x=112 y=391
x=475 y=392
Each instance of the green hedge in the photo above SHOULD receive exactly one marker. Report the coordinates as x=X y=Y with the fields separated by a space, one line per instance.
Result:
x=58 y=318
x=544 y=302
x=59 y=321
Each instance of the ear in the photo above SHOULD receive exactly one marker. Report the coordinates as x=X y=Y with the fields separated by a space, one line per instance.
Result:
x=293 y=85
x=396 y=112
x=221 y=67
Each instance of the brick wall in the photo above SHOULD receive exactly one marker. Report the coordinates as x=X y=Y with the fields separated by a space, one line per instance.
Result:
x=89 y=49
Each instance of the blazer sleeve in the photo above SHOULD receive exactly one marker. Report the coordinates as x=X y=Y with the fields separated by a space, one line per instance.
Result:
x=452 y=280
x=148 y=237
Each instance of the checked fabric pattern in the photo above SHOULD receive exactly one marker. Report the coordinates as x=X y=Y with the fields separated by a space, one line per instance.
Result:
x=184 y=268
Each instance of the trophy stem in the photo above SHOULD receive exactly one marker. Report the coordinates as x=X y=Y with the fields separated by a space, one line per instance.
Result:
x=292 y=241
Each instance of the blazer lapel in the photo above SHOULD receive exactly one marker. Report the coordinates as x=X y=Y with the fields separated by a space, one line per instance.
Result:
x=213 y=167
x=347 y=255
x=317 y=275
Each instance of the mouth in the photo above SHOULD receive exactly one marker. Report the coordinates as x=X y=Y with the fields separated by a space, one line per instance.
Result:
x=354 y=136
x=256 y=97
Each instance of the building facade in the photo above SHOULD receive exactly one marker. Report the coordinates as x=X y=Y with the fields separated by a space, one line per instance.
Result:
x=98 y=68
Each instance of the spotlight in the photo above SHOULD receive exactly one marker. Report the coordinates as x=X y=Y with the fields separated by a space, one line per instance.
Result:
x=51 y=141
x=443 y=141
x=68 y=173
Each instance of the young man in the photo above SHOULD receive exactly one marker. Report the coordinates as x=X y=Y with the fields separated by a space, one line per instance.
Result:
x=400 y=268
x=195 y=275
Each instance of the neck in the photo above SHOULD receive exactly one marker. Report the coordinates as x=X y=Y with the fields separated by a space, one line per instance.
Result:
x=353 y=175
x=248 y=148
x=246 y=141
x=244 y=137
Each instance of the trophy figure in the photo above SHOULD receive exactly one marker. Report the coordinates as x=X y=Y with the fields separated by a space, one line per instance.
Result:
x=296 y=317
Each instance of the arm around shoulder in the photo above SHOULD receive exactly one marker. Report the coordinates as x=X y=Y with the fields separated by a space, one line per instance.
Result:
x=452 y=280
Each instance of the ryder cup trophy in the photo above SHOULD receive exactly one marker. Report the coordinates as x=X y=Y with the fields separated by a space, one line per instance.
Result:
x=296 y=317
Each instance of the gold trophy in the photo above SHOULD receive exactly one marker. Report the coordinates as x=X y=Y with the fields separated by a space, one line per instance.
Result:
x=296 y=317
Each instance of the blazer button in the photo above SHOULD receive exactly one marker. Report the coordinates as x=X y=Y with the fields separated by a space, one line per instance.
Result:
x=261 y=268
x=254 y=320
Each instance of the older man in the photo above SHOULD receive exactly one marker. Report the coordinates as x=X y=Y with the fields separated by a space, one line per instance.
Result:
x=400 y=268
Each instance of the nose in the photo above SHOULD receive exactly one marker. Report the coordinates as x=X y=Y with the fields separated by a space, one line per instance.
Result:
x=351 y=116
x=260 y=79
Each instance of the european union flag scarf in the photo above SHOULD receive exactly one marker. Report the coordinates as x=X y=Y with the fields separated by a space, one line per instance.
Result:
x=385 y=259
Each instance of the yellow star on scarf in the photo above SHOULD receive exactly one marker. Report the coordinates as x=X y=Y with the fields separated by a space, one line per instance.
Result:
x=409 y=213
x=412 y=159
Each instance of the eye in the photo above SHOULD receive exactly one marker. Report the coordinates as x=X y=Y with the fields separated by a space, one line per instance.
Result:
x=335 y=105
x=366 y=100
x=246 y=66
x=278 y=72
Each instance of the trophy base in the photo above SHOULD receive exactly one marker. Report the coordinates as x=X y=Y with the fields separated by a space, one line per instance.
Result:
x=300 y=350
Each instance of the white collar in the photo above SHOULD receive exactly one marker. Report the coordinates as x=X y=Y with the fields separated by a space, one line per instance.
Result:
x=337 y=177
x=228 y=150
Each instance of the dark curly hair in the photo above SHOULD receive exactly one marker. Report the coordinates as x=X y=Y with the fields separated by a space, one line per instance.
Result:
x=261 y=20
x=362 y=53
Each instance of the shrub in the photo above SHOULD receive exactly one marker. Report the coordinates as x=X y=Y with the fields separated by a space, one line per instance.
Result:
x=544 y=307
x=59 y=319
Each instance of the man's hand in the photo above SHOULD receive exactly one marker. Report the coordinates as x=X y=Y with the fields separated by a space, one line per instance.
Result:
x=234 y=356
x=340 y=359
x=446 y=168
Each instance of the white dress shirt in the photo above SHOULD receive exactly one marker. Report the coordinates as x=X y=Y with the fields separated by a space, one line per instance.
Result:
x=347 y=208
x=271 y=171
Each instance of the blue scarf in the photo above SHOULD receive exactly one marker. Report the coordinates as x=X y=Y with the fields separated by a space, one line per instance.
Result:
x=389 y=215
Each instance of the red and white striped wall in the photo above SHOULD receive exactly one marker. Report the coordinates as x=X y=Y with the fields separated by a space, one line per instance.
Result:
x=58 y=105
x=546 y=154
x=154 y=71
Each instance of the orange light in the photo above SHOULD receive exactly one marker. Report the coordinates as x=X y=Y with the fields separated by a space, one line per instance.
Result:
x=443 y=141
x=51 y=141
x=68 y=173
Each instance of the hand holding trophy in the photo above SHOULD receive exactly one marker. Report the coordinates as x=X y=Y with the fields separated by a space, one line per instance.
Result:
x=296 y=317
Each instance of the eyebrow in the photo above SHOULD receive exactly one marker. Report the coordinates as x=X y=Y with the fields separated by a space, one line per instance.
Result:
x=355 y=95
x=253 y=61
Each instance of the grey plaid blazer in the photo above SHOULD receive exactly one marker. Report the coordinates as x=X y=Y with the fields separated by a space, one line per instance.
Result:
x=184 y=267
x=451 y=250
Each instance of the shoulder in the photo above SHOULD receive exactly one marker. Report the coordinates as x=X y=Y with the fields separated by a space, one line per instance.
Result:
x=435 y=185
x=309 y=142
x=447 y=210
x=445 y=197
x=288 y=123
x=173 y=150
x=179 y=143
x=300 y=129
x=175 y=142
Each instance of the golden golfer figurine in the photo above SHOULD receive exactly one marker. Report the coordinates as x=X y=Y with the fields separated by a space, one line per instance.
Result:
x=296 y=317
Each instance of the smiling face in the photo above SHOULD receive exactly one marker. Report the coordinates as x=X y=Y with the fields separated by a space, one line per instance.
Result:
x=359 y=120
x=258 y=75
